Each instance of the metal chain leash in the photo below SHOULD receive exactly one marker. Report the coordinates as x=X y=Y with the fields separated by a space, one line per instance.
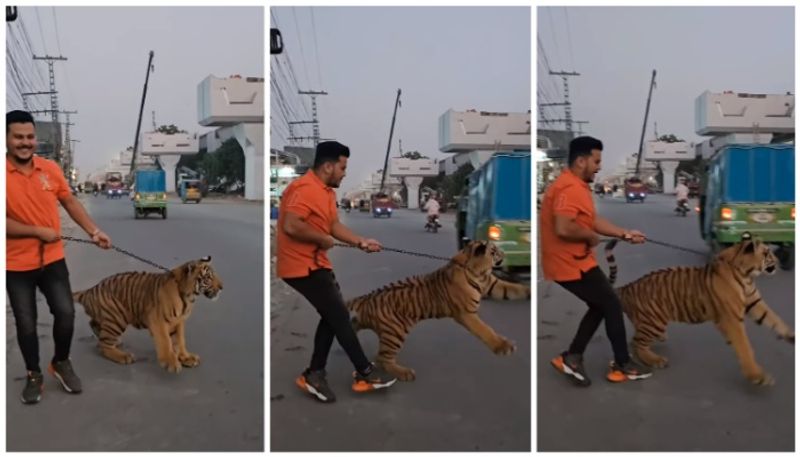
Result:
x=120 y=250
x=661 y=243
x=400 y=251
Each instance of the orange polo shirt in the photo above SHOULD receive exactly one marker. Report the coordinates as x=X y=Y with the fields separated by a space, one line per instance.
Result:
x=563 y=260
x=309 y=198
x=33 y=200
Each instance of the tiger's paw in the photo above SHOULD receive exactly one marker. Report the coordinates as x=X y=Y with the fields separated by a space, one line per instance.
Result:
x=189 y=360
x=504 y=347
x=172 y=365
x=402 y=373
x=763 y=379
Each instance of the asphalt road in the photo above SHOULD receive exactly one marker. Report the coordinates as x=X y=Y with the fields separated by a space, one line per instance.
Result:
x=218 y=406
x=465 y=398
x=701 y=402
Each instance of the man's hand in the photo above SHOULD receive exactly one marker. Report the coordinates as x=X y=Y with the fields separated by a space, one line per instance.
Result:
x=47 y=234
x=634 y=236
x=326 y=243
x=369 y=245
x=101 y=239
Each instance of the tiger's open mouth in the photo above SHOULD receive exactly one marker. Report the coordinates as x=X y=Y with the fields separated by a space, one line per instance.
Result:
x=770 y=269
x=213 y=295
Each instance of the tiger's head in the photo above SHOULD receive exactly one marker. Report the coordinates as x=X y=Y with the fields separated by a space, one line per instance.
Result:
x=205 y=279
x=751 y=256
x=479 y=256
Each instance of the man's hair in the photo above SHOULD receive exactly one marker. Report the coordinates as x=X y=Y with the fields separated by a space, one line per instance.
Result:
x=330 y=151
x=582 y=146
x=18 y=117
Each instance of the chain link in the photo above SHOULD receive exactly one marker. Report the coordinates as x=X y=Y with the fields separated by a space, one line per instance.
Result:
x=400 y=251
x=662 y=243
x=120 y=250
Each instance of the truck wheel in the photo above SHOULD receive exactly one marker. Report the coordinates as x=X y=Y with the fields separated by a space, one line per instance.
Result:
x=135 y=213
x=164 y=213
x=785 y=256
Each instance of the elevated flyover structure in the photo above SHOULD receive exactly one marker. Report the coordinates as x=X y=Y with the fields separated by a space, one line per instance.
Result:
x=168 y=149
x=238 y=102
x=482 y=133
x=412 y=171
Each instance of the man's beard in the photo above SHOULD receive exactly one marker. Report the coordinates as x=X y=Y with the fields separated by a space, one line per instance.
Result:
x=21 y=161
x=333 y=184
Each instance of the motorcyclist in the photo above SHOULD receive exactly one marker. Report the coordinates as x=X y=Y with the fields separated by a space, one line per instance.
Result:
x=432 y=207
x=681 y=194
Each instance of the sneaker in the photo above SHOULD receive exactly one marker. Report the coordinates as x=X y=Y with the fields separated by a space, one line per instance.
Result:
x=34 y=386
x=374 y=379
x=314 y=382
x=630 y=371
x=66 y=376
x=572 y=366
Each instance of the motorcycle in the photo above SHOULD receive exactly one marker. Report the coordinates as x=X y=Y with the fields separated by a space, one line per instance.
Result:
x=683 y=208
x=433 y=224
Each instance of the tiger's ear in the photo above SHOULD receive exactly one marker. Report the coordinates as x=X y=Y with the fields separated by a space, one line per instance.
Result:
x=749 y=247
x=206 y=259
x=480 y=251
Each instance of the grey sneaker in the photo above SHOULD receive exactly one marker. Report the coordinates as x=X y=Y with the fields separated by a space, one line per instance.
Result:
x=315 y=383
x=34 y=385
x=66 y=376
x=375 y=379
x=632 y=370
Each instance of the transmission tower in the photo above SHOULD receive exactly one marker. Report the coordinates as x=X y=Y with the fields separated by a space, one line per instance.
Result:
x=314 y=121
x=53 y=100
x=567 y=105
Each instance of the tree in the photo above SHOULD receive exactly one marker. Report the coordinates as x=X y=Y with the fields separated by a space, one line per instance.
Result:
x=670 y=138
x=171 y=129
x=413 y=155
x=225 y=165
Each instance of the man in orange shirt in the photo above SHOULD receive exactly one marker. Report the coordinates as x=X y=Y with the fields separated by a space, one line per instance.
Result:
x=569 y=231
x=308 y=222
x=35 y=254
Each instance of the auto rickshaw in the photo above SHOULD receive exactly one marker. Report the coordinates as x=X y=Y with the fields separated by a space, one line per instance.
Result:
x=151 y=193
x=190 y=190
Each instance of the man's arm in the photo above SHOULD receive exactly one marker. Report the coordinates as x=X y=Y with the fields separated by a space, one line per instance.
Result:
x=16 y=229
x=604 y=227
x=296 y=227
x=342 y=233
x=567 y=229
x=82 y=218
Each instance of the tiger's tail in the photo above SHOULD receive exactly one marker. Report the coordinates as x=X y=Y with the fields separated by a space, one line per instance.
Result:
x=612 y=262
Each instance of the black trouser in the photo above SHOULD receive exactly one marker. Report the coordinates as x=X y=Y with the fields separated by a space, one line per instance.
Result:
x=53 y=281
x=321 y=289
x=594 y=289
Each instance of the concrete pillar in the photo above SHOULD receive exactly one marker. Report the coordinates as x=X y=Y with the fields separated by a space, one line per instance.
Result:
x=168 y=163
x=251 y=139
x=412 y=185
x=478 y=158
x=668 y=167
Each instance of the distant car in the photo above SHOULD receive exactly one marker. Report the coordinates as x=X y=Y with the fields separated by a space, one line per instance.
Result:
x=114 y=193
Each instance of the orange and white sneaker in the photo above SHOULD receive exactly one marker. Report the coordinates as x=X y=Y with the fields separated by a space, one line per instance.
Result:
x=375 y=379
x=572 y=366
x=630 y=371
x=315 y=383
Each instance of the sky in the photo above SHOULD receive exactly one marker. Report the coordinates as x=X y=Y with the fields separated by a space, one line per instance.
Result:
x=693 y=49
x=108 y=48
x=441 y=58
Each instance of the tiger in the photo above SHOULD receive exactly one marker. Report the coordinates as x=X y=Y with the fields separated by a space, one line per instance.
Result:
x=723 y=291
x=454 y=291
x=160 y=302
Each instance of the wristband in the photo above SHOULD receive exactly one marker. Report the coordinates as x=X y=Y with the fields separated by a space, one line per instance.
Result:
x=96 y=231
